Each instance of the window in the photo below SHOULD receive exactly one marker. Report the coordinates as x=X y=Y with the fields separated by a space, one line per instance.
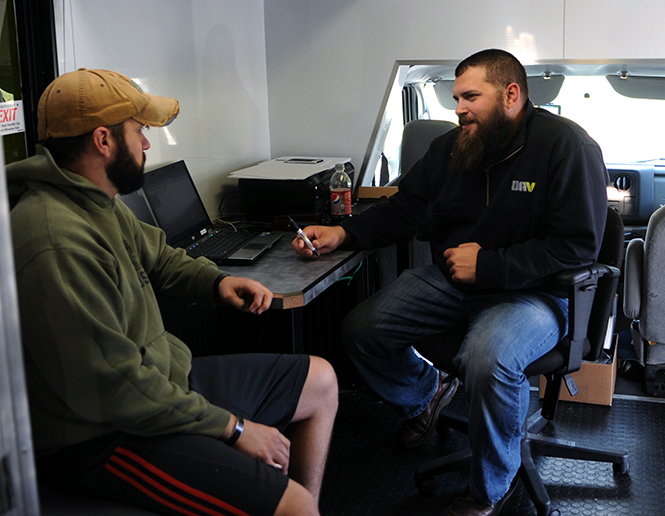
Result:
x=621 y=105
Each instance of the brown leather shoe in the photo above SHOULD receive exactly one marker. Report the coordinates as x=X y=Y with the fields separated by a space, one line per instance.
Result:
x=467 y=505
x=417 y=430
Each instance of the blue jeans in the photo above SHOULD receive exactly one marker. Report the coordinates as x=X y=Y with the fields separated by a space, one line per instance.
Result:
x=506 y=332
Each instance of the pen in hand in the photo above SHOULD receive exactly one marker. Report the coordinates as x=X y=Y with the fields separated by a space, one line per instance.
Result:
x=302 y=235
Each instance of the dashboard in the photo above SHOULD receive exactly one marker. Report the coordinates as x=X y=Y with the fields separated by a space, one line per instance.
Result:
x=636 y=190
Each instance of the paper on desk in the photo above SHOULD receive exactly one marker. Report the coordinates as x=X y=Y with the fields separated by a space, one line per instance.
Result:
x=288 y=167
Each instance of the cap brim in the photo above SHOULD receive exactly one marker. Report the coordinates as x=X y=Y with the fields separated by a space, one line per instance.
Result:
x=159 y=112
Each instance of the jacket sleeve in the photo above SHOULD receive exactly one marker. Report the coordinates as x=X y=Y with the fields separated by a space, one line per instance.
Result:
x=574 y=224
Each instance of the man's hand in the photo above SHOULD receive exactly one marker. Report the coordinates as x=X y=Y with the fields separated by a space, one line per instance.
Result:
x=264 y=442
x=461 y=262
x=324 y=238
x=245 y=294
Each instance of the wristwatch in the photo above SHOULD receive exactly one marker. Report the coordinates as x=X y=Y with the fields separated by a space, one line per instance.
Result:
x=237 y=431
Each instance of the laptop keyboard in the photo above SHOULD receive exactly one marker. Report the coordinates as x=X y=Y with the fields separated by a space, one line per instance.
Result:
x=219 y=244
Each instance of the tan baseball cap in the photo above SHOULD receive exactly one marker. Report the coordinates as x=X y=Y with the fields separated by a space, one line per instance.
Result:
x=78 y=102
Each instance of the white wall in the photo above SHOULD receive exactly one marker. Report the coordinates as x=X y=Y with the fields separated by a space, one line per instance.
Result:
x=259 y=79
x=329 y=62
x=615 y=29
x=209 y=54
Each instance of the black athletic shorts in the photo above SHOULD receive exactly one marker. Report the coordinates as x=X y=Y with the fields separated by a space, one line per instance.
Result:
x=193 y=474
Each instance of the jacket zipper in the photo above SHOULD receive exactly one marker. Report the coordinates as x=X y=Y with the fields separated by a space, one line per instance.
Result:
x=487 y=173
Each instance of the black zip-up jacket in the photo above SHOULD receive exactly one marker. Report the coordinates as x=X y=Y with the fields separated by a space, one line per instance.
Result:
x=536 y=207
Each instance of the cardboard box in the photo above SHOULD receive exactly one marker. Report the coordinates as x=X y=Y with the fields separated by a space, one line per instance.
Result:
x=595 y=382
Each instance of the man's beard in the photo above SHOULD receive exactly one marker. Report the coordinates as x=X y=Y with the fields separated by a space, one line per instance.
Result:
x=124 y=172
x=471 y=148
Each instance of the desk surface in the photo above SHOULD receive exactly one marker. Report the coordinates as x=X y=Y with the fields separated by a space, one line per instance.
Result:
x=294 y=280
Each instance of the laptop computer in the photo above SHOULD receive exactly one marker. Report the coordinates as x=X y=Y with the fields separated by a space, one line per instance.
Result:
x=177 y=208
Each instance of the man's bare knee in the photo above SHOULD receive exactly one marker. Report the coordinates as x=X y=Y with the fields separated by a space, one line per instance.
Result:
x=320 y=392
x=324 y=375
x=297 y=501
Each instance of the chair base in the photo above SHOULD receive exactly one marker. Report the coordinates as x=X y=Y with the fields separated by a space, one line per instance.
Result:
x=533 y=445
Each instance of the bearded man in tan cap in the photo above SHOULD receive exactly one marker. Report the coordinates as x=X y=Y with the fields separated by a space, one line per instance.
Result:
x=119 y=409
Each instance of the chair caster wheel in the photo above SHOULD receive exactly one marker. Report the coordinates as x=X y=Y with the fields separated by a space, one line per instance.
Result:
x=621 y=468
x=426 y=487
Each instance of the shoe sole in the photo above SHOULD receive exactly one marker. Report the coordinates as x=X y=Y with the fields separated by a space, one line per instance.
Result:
x=444 y=402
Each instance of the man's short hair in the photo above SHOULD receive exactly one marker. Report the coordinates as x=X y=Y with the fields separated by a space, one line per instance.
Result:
x=501 y=68
x=65 y=151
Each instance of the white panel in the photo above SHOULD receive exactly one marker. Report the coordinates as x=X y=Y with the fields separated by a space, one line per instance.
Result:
x=614 y=29
x=209 y=54
x=19 y=482
x=329 y=62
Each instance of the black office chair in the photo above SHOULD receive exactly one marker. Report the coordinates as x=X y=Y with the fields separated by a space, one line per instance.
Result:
x=592 y=299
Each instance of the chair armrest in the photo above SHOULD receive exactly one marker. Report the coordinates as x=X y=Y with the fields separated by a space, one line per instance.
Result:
x=632 y=282
x=582 y=283
x=577 y=276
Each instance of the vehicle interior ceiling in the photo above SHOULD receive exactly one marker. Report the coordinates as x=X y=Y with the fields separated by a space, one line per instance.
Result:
x=621 y=104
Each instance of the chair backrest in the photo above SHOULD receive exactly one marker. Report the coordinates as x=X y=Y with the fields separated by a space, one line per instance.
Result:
x=611 y=253
x=416 y=138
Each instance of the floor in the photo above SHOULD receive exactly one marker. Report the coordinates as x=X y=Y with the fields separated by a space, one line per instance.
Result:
x=368 y=475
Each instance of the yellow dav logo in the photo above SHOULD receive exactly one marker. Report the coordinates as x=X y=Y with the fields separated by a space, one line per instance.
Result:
x=523 y=186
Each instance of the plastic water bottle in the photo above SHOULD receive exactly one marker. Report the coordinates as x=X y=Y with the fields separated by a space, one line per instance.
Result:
x=340 y=193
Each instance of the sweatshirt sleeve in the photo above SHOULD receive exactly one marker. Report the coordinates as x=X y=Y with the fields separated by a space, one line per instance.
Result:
x=92 y=363
x=170 y=270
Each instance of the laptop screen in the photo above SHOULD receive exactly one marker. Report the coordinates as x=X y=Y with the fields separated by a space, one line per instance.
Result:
x=137 y=203
x=176 y=204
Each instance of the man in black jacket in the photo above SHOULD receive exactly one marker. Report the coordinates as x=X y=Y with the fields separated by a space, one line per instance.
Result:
x=510 y=198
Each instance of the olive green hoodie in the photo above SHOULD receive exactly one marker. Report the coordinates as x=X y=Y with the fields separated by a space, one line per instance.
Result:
x=97 y=356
